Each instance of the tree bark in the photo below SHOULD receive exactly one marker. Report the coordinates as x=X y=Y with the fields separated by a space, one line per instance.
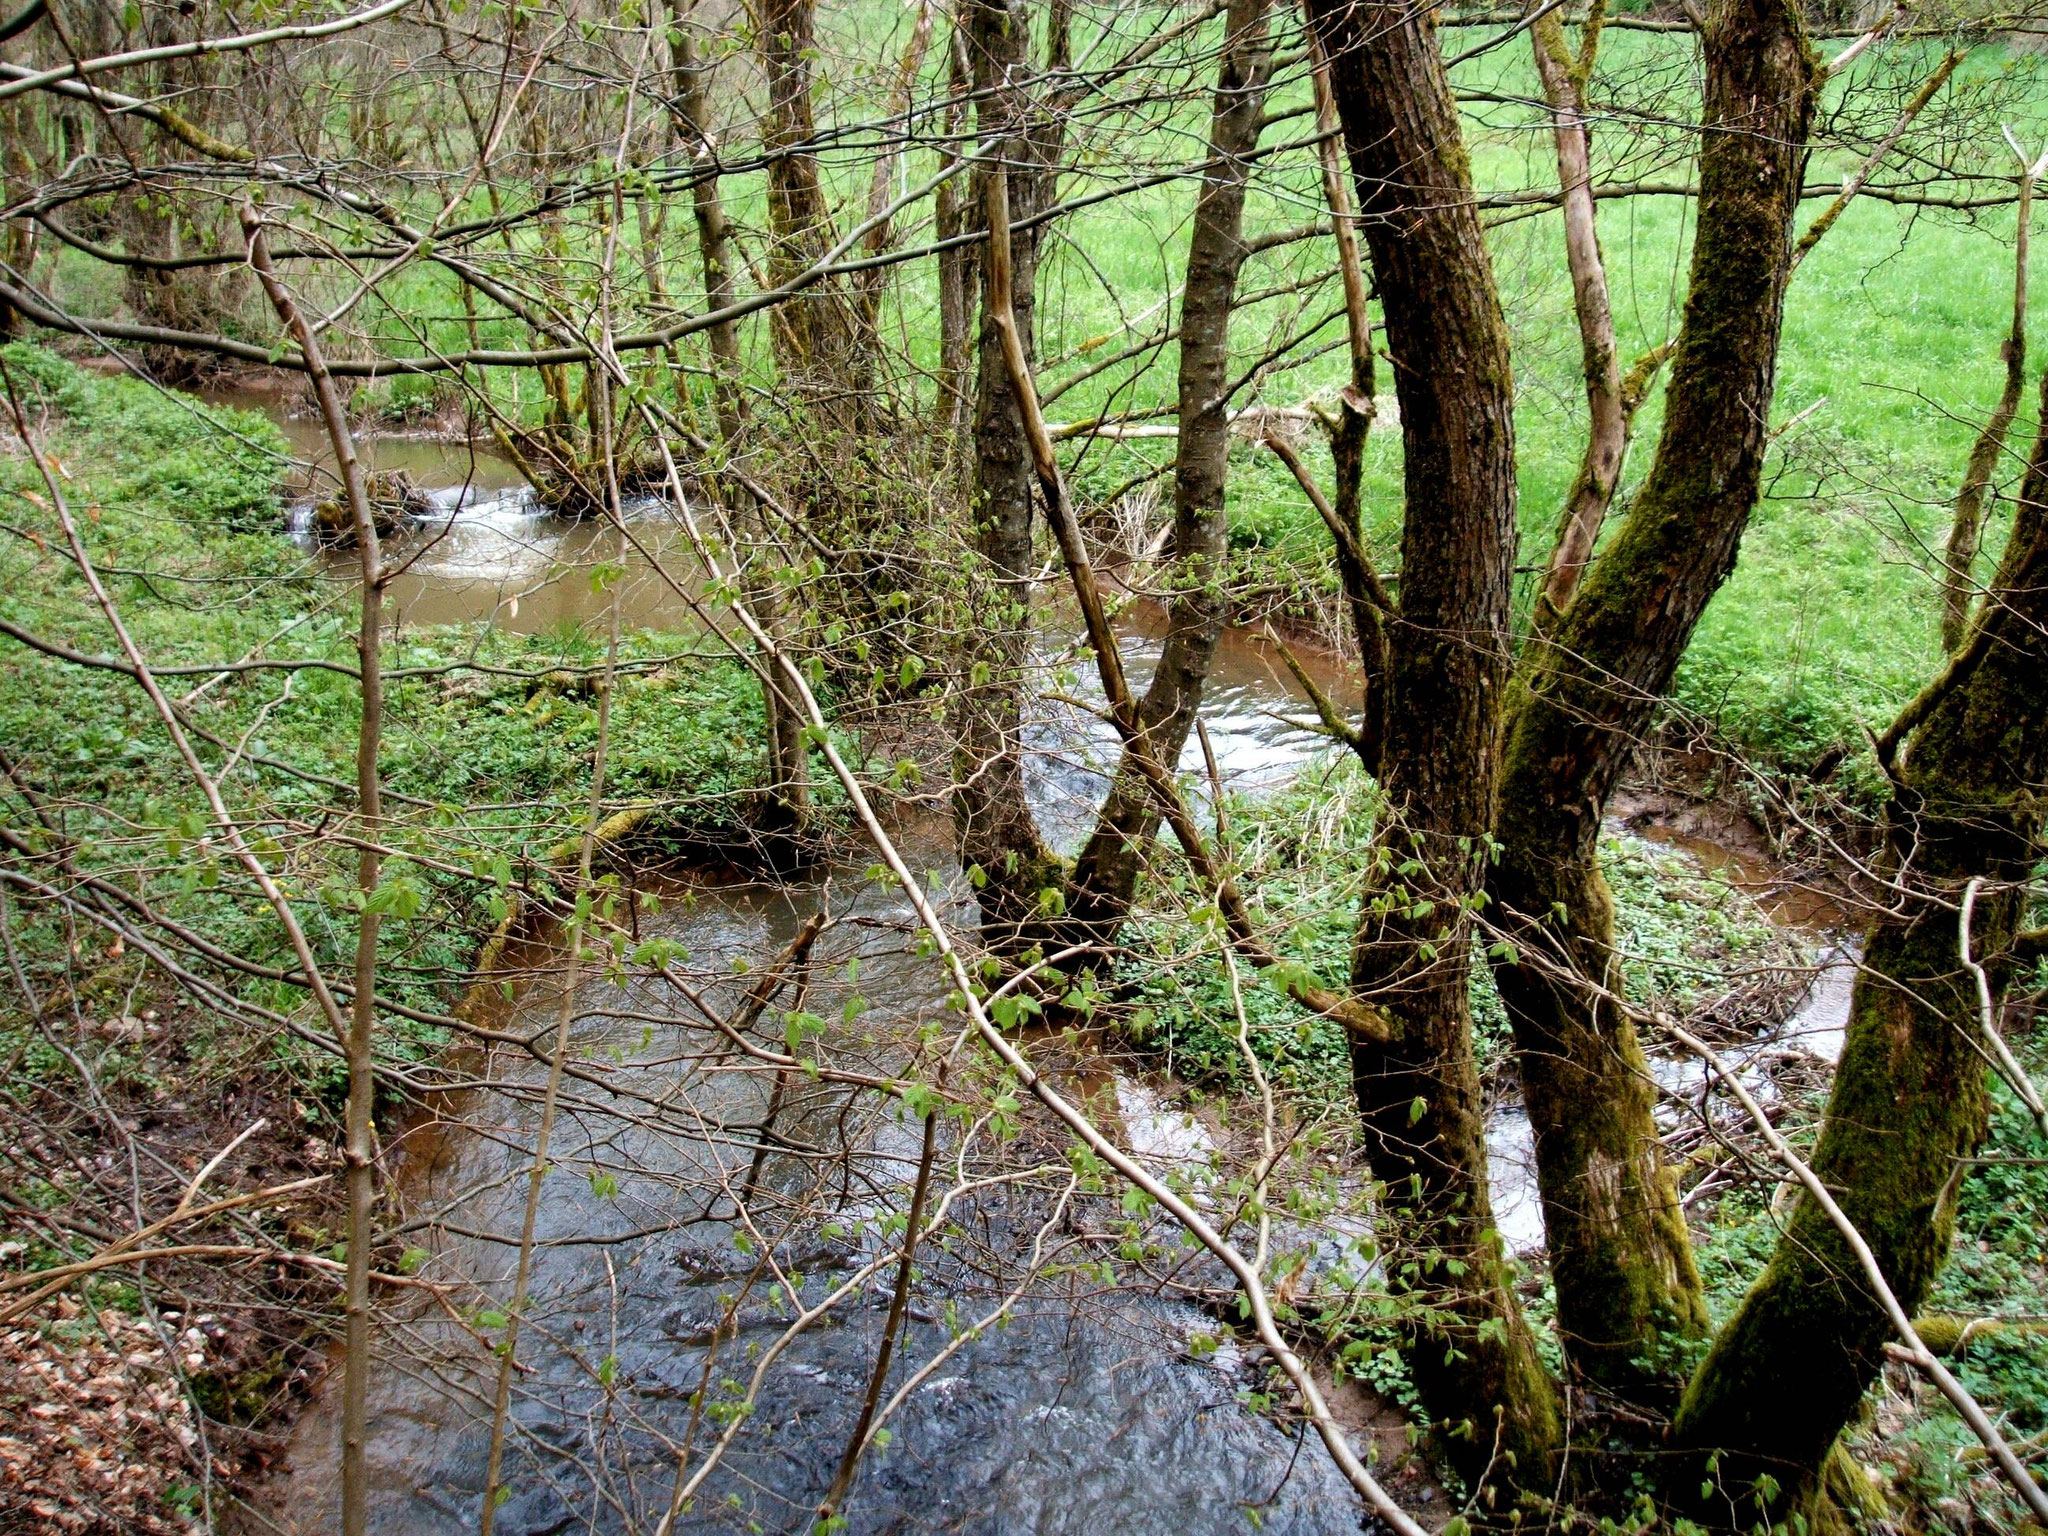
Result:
x=1106 y=874
x=1349 y=427
x=1473 y=1357
x=1909 y=1102
x=788 y=798
x=998 y=837
x=959 y=268
x=1617 y=1241
x=814 y=331
x=1607 y=421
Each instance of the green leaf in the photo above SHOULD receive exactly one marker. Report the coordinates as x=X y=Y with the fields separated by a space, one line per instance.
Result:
x=659 y=952
x=799 y=1027
x=397 y=897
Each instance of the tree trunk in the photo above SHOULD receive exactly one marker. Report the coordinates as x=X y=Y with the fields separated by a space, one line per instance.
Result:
x=788 y=799
x=958 y=269
x=870 y=285
x=1106 y=874
x=999 y=839
x=1607 y=421
x=814 y=331
x=1909 y=1102
x=1617 y=1241
x=1966 y=532
x=1473 y=1357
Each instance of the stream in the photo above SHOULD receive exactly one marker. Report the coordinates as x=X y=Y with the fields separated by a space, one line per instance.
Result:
x=654 y=1300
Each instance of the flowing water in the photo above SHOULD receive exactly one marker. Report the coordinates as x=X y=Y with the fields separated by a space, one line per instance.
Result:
x=653 y=1302
x=1088 y=1400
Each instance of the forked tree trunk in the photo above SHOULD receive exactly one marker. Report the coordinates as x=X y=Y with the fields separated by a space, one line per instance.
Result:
x=1909 y=1102
x=1618 y=1246
x=1473 y=1359
x=1106 y=874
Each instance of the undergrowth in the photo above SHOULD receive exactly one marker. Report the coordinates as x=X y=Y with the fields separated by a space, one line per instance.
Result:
x=489 y=736
x=1688 y=938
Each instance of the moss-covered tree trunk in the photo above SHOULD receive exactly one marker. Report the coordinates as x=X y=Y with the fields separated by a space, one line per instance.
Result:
x=1617 y=1241
x=1106 y=874
x=1909 y=1102
x=1472 y=1354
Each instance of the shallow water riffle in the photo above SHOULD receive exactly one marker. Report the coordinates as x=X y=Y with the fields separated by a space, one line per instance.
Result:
x=699 y=1201
x=497 y=556
x=1077 y=1417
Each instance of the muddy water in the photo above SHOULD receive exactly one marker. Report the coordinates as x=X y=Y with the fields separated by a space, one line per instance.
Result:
x=1091 y=1409
x=1089 y=1405
x=490 y=553
x=1815 y=910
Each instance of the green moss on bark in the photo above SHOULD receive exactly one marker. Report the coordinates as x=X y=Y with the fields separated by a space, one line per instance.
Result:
x=1909 y=1102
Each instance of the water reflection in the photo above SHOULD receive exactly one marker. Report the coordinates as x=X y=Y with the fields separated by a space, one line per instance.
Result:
x=1087 y=1410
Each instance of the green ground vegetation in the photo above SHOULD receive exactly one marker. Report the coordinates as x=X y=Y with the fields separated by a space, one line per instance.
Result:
x=1986 y=1313
x=489 y=746
x=1691 y=938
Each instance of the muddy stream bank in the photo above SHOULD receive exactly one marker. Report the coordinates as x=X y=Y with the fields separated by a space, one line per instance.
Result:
x=695 y=1204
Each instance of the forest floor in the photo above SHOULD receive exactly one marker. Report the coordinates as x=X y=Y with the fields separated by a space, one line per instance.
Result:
x=142 y=1400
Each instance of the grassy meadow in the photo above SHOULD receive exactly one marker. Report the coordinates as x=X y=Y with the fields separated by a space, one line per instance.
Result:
x=1890 y=356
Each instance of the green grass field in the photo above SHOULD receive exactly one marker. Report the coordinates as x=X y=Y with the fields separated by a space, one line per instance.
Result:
x=1890 y=357
x=1889 y=362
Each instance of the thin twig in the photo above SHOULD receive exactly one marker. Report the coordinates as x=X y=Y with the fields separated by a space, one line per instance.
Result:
x=1916 y=1349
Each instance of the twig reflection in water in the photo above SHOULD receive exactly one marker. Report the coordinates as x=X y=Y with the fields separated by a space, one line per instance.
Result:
x=647 y=1287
